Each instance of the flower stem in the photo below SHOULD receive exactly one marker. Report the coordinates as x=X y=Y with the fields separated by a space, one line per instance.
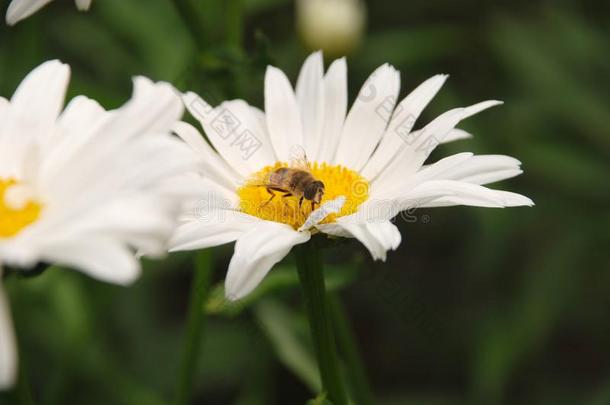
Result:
x=195 y=325
x=23 y=393
x=360 y=386
x=309 y=266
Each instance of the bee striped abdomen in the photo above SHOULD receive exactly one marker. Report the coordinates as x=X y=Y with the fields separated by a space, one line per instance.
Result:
x=300 y=179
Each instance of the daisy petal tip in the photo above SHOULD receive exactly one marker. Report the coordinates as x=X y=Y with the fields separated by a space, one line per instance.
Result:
x=518 y=200
x=235 y=292
x=8 y=377
x=141 y=80
x=342 y=60
x=56 y=68
x=317 y=54
x=189 y=95
x=232 y=297
x=126 y=278
x=441 y=78
x=12 y=16
x=273 y=71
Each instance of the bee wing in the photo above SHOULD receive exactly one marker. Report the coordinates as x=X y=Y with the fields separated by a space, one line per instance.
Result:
x=263 y=180
x=298 y=158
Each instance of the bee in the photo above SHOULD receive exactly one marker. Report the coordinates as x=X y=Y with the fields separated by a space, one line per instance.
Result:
x=295 y=181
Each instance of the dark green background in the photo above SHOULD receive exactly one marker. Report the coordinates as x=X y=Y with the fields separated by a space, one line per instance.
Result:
x=477 y=306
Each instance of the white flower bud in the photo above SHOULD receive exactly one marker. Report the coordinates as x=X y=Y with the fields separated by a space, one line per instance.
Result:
x=334 y=26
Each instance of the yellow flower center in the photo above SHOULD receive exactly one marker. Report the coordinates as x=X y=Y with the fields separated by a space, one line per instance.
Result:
x=13 y=220
x=254 y=199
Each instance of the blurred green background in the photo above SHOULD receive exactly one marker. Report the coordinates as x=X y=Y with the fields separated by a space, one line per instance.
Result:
x=477 y=306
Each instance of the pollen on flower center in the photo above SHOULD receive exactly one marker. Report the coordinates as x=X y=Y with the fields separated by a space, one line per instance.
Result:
x=13 y=220
x=254 y=199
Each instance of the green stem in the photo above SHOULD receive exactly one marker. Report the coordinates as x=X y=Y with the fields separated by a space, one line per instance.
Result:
x=309 y=266
x=360 y=386
x=23 y=393
x=195 y=325
x=190 y=16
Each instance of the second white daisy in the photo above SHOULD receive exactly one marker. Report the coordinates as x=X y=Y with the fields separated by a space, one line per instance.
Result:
x=84 y=187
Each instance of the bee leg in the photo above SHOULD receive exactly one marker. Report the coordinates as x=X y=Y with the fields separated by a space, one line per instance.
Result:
x=313 y=206
x=272 y=197
x=300 y=202
x=286 y=194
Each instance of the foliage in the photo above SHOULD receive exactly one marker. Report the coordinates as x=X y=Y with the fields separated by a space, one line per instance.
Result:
x=476 y=306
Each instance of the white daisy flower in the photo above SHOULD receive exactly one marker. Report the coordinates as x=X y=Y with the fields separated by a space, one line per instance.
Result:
x=369 y=160
x=21 y=9
x=85 y=187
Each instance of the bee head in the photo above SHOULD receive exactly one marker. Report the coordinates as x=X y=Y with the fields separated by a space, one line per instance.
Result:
x=315 y=191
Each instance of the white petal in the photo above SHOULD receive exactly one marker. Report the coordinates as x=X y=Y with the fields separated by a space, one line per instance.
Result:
x=361 y=232
x=443 y=168
x=153 y=107
x=368 y=118
x=335 y=108
x=505 y=199
x=77 y=125
x=255 y=254
x=386 y=233
x=110 y=161
x=83 y=5
x=484 y=169
x=40 y=97
x=475 y=195
x=492 y=176
x=433 y=193
x=419 y=144
x=283 y=115
x=403 y=119
x=436 y=171
x=252 y=140
x=235 y=131
x=456 y=134
x=377 y=237
x=213 y=165
x=8 y=345
x=100 y=257
x=80 y=112
x=20 y=9
x=206 y=191
x=4 y=105
x=465 y=167
x=224 y=227
x=329 y=207
x=310 y=96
